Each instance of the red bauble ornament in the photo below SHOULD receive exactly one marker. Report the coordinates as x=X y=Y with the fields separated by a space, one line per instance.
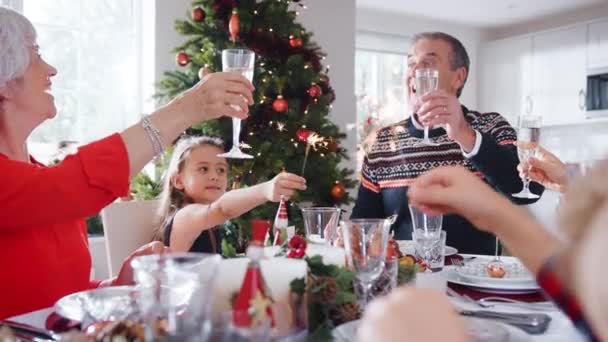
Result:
x=314 y=91
x=295 y=42
x=182 y=59
x=338 y=191
x=234 y=26
x=332 y=145
x=303 y=134
x=280 y=105
x=198 y=14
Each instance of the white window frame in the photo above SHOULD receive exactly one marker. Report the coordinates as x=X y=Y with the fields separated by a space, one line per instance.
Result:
x=144 y=14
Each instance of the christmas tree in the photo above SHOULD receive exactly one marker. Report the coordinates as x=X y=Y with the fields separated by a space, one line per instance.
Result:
x=288 y=127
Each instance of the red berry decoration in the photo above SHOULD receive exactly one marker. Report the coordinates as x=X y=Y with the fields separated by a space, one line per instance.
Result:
x=280 y=105
x=198 y=14
x=338 y=191
x=234 y=26
x=297 y=242
x=303 y=134
x=182 y=59
x=295 y=42
x=298 y=253
x=314 y=91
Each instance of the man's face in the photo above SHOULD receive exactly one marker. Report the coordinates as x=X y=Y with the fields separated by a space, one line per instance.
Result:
x=433 y=54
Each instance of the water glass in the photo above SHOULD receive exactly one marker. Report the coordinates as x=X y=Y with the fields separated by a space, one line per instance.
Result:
x=365 y=242
x=321 y=224
x=428 y=223
x=430 y=247
x=173 y=289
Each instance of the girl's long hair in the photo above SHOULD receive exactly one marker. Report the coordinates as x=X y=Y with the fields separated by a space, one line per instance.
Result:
x=171 y=198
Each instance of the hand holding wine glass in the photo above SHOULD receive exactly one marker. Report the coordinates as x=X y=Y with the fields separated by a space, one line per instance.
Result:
x=528 y=137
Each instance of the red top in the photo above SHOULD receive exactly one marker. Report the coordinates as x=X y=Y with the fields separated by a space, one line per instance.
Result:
x=43 y=239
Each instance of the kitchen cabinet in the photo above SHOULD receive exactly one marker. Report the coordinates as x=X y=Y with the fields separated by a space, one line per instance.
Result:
x=597 y=45
x=559 y=72
x=505 y=75
x=542 y=73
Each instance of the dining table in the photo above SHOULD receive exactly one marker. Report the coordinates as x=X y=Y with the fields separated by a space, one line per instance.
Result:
x=560 y=328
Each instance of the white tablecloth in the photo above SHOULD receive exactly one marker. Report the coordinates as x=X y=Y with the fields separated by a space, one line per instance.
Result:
x=560 y=328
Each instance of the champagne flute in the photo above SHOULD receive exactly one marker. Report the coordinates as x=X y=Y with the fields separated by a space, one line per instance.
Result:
x=241 y=61
x=426 y=81
x=528 y=137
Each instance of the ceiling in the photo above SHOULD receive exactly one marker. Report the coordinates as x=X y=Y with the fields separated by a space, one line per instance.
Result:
x=480 y=13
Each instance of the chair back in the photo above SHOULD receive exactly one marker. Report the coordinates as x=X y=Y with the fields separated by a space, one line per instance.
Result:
x=127 y=226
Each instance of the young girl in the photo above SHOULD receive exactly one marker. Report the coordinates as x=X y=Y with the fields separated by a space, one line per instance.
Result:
x=194 y=199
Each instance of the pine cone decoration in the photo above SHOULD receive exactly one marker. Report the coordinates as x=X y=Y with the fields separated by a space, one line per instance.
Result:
x=345 y=313
x=323 y=290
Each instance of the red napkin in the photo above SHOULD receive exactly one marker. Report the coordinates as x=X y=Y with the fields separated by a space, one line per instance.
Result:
x=60 y=324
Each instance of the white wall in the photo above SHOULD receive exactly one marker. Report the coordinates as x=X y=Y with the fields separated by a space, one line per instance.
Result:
x=333 y=25
x=406 y=26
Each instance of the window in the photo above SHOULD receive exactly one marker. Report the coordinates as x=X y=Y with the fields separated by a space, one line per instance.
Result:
x=380 y=70
x=96 y=47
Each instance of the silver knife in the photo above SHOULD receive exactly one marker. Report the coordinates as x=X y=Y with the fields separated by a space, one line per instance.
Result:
x=37 y=334
x=532 y=323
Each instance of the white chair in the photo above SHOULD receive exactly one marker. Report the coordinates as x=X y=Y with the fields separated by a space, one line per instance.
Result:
x=127 y=226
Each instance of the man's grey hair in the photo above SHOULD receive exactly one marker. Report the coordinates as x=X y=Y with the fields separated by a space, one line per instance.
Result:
x=17 y=35
x=459 y=58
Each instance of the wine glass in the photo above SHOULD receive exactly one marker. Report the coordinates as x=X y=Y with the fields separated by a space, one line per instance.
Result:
x=365 y=242
x=241 y=61
x=528 y=137
x=426 y=81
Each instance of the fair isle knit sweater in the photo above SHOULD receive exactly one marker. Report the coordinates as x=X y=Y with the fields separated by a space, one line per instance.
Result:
x=397 y=158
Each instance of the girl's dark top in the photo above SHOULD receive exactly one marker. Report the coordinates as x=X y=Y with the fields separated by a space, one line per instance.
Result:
x=209 y=241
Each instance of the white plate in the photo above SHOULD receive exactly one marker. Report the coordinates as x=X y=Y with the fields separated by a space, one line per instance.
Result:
x=477 y=272
x=104 y=303
x=407 y=247
x=500 y=288
x=478 y=330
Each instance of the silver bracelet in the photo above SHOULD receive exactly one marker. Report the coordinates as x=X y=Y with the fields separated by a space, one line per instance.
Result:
x=153 y=134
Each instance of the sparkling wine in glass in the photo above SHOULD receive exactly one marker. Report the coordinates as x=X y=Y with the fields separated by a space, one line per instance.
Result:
x=528 y=137
x=241 y=61
x=426 y=81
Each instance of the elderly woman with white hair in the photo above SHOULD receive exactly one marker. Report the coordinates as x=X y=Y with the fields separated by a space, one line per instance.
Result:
x=571 y=272
x=44 y=253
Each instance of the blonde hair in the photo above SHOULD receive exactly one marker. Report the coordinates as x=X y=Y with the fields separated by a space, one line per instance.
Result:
x=171 y=198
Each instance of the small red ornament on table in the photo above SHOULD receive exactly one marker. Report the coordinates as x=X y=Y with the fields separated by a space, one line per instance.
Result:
x=314 y=91
x=280 y=105
x=234 y=25
x=182 y=58
x=198 y=14
x=496 y=270
x=297 y=247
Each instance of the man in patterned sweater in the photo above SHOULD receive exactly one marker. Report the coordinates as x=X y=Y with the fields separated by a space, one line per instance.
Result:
x=481 y=142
